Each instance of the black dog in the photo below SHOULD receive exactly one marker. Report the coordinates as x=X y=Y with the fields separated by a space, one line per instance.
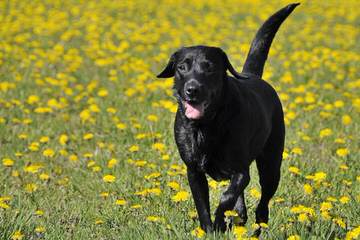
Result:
x=223 y=123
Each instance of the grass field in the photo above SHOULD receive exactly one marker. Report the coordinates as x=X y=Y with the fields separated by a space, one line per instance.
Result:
x=86 y=141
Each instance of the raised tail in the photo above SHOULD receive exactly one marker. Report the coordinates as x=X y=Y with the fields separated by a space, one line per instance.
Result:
x=255 y=61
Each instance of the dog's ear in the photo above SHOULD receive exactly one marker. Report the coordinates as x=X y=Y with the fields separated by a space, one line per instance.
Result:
x=169 y=70
x=231 y=69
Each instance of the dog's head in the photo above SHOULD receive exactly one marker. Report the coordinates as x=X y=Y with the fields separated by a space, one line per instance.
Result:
x=200 y=74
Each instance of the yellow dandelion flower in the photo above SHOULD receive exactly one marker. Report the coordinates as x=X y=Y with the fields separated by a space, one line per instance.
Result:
x=33 y=168
x=44 y=176
x=158 y=146
x=240 y=232
x=39 y=212
x=308 y=189
x=7 y=162
x=294 y=237
x=152 y=118
x=73 y=158
x=44 y=139
x=109 y=178
x=63 y=139
x=325 y=132
x=230 y=213
x=99 y=221
x=294 y=170
x=339 y=104
x=134 y=148
x=174 y=185
x=153 y=218
x=111 y=163
x=88 y=136
x=40 y=229
x=344 y=199
x=198 y=232
x=121 y=126
x=48 y=152
x=342 y=152
x=31 y=187
x=152 y=175
x=303 y=218
x=17 y=235
x=136 y=206
x=346 y=120
x=339 y=222
x=103 y=93
x=180 y=196
x=297 y=150
x=325 y=206
x=120 y=202
x=255 y=193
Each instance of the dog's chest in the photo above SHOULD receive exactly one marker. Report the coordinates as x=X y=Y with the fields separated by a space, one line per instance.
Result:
x=207 y=151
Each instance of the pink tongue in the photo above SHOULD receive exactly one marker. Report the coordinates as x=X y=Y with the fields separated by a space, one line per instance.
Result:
x=194 y=111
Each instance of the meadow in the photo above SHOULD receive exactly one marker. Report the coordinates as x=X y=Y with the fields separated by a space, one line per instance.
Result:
x=86 y=128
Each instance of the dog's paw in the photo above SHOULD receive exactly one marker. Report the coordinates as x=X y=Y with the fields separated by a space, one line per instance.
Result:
x=219 y=224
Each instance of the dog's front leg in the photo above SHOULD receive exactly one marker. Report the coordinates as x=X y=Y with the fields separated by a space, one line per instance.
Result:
x=200 y=191
x=228 y=199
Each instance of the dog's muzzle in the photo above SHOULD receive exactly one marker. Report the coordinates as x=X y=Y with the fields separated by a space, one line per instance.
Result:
x=193 y=102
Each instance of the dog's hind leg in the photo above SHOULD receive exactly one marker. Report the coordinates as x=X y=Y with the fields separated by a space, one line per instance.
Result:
x=268 y=164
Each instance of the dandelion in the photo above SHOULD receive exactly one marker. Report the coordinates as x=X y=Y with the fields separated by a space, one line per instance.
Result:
x=255 y=193
x=180 y=196
x=174 y=185
x=7 y=162
x=44 y=139
x=339 y=104
x=342 y=152
x=297 y=150
x=152 y=118
x=40 y=229
x=153 y=218
x=17 y=235
x=88 y=136
x=121 y=126
x=99 y=221
x=48 y=153
x=134 y=148
x=63 y=139
x=109 y=178
x=111 y=163
x=120 y=202
x=294 y=237
x=33 y=168
x=31 y=187
x=325 y=206
x=325 y=132
x=346 y=120
x=240 y=232
x=344 y=199
x=308 y=189
x=158 y=146
x=198 y=232
x=294 y=170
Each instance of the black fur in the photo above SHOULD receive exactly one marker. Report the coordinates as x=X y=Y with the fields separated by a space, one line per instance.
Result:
x=236 y=120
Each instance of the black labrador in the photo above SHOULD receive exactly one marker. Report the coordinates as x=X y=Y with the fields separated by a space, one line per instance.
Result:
x=224 y=122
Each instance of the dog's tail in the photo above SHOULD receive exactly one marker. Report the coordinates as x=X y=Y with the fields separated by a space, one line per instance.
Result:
x=255 y=61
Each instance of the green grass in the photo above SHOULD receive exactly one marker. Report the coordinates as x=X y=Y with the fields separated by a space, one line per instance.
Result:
x=120 y=47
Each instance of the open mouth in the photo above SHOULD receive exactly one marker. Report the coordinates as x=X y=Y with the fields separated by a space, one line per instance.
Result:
x=194 y=110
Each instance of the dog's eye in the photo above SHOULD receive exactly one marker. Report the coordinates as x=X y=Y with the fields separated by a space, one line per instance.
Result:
x=182 y=67
x=206 y=66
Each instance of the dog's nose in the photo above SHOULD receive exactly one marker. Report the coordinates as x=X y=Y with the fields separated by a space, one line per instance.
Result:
x=191 y=91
